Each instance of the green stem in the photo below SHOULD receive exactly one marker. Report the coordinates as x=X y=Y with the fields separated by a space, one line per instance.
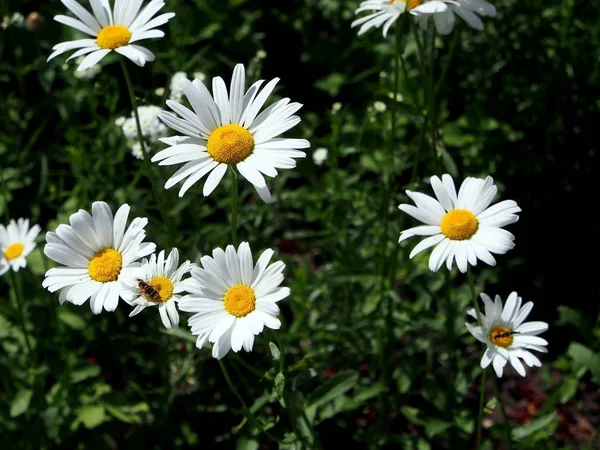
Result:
x=249 y=416
x=473 y=295
x=442 y=77
x=15 y=281
x=504 y=415
x=4 y=193
x=481 y=405
x=147 y=164
x=234 y=206
x=432 y=113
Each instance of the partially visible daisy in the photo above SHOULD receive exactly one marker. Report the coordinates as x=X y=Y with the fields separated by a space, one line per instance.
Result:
x=98 y=256
x=443 y=12
x=233 y=300
x=507 y=336
x=112 y=30
x=463 y=227
x=383 y=12
x=159 y=286
x=228 y=130
x=17 y=241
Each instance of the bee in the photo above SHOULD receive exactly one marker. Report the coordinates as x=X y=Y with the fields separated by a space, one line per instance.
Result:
x=149 y=291
x=505 y=334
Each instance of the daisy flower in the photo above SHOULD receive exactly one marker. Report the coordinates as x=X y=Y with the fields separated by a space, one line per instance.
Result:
x=159 y=286
x=507 y=336
x=233 y=300
x=228 y=130
x=98 y=256
x=17 y=241
x=463 y=227
x=443 y=12
x=386 y=12
x=112 y=30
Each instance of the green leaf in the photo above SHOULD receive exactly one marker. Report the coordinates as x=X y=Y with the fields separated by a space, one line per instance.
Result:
x=585 y=357
x=246 y=443
x=279 y=385
x=85 y=373
x=274 y=351
x=336 y=386
x=533 y=426
x=90 y=416
x=180 y=333
x=20 y=403
x=71 y=319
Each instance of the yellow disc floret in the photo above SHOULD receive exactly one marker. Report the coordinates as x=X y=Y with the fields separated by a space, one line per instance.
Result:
x=105 y=265
x=113 y=36
x=411 y=3
x=164 y=287
x=459 y=224
x=14 y=251
x=230 y=144
x=240 y=300
x=501 y=336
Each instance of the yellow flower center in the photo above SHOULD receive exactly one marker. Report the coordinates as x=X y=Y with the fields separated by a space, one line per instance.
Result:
x=230 y=144
x=163 y=286
x=14 y=251
x=459 y=224
x=105 y=265
x=501 y=336
x=113 y=36
x=240 y=300
x=411 y=3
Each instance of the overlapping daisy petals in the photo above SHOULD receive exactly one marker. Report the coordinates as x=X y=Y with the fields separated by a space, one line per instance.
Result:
x=512 y=317
x=475 y=195
x=208 y=286
x=443 y=13
x=141 y=24
x=73 y=246
x=237 y=106
x=17 y=233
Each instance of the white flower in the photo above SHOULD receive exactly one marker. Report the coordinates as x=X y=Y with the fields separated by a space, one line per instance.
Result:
x=462 y=226
x=320 y=155
x=228 y=130
x=379 y=106
x=506 y=335
x=97 y=255
x=159 y=286
x=443 y=13
x=119 y=121
x=159 y=91
x=88 y=73
x=386 y=12
x=233 y=300
x=152 y=128
x=17 y=241
x=176 y=87
x=16 y=19
x=200 y=75
x=136 y=150
x=112 y=30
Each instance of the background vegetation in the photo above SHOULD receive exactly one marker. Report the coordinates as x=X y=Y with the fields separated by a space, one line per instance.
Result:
x=520 y=103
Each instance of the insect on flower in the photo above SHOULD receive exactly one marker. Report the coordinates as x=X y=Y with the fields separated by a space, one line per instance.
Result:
x=148 y=290
x=505 y=334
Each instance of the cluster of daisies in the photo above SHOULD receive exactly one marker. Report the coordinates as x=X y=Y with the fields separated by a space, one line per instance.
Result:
x=231 y=297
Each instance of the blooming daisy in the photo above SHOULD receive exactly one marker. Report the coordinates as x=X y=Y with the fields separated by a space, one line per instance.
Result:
x=228 y=130
x=463 y=227
x=17 y=241
x=443 y=13
x=506 y=335
x=98 y=256
x=112 y=30
x=386 y=12
x=159 y=286
x=233 y=300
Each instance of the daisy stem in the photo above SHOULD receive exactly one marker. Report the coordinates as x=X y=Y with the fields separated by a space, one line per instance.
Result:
x=432 y=113
x=249 y=416
x=234 y=206
x=4 y=193
x=473 y=295
x=481 y=405
x=15 y=281
x=147 y=165
x=504 y=415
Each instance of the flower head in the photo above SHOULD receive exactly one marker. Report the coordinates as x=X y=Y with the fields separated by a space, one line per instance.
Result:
x=98 y=256
x=159 y=285
x=112 y=30
x=233 y=299
x=226 y=129
x=17 y=241
x=463 y=227
x=507 y=336
x=320 y=155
